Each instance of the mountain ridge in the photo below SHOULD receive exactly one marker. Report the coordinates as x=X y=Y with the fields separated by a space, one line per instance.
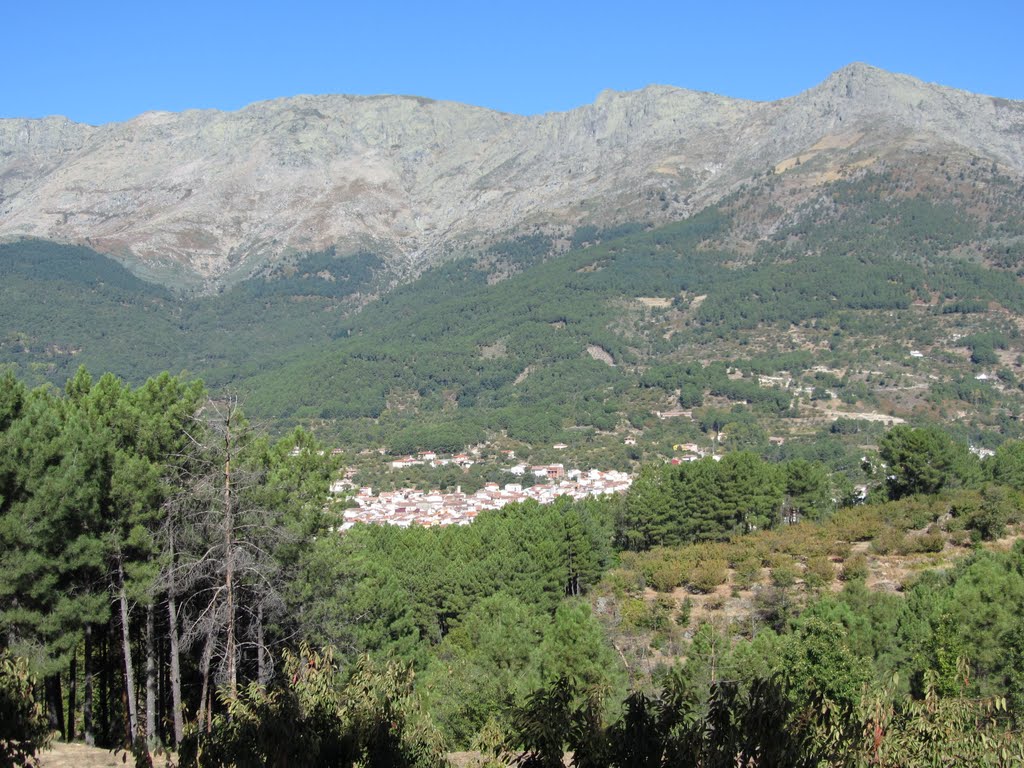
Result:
x=205 y=196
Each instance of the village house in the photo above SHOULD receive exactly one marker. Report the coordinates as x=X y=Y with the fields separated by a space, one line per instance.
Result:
x=405 y=462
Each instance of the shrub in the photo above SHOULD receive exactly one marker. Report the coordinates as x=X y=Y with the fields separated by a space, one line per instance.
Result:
x=889 y=541
x=685 y=611
x=785 y=571
x=622 y=582
x=708 y=575
x=372 y=719
x=666 y=576
x=988 y=515
x=661 y=612
x=23 y=725
x=857 y=524
x=931 y=541
x=633 y=613
x=840 y=549
x=748 y=572
x=820 y=572
x=855 y=568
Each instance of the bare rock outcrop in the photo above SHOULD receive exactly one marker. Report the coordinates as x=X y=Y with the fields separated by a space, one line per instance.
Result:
x=216 y=194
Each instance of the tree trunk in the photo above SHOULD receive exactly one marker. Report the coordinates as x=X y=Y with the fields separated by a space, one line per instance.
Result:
x=262 y=672
x=161 y=689
x=106 y=685
x=204 y=707
x=150 y=676
x=179 y=716
x=72 y=693
x=126 y=723
x=90 y=737
x=126 y=649
x=229 y=566
x=55 y=704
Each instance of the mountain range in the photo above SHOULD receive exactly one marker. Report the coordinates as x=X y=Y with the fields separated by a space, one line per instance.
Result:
x=205 y=198
x=656 y=266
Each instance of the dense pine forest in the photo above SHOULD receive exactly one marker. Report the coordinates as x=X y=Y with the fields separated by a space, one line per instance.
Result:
x=171 y=578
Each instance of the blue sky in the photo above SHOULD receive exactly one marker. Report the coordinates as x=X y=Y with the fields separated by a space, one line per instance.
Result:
x=106 y=61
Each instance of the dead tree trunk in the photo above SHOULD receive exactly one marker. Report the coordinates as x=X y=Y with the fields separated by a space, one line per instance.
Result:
x=179 y=716
x=204 y=707
x=126 y=650
x=150 y=676
x=229 y=566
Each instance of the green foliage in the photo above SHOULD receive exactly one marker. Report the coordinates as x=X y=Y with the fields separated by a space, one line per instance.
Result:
x=784 y=571
x=385 y=587
x=1007 y=466
x=480 y=665
x=372 y=719
x=987 y=513
x=967 y=612
x=707 y=575
x=924 y=460
x=699 y=500
x=760 y=723
x=574 y=647
x=24 y=729
x=820 y=663
x=819 y=572
x=855 y=568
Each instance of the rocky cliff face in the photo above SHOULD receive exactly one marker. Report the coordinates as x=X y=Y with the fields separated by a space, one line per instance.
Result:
x=214 y=194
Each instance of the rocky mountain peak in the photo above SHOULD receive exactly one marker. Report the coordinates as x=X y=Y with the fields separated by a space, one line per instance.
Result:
x=217 y=194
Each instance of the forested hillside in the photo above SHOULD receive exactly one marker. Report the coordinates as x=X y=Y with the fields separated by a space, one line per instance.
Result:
x=845 y=354
x=169 y=576
x=882 y=295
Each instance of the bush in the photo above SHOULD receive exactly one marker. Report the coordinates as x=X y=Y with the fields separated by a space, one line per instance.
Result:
x=931 y=541
x=373 y=719
x=23 y=725
x=665 y=577
x=857 y=524
x=855 y=568
x=840 y=549
x=820 y=572
x=633 y=613
x=784 y=571
x=661 y=612
x=622 y=582
x=748 y=573
x=685 y=611
x=987 y=515
x=889 y=542
x=708 y=575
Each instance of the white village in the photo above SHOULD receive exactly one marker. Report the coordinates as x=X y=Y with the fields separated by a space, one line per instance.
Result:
x=406 y=507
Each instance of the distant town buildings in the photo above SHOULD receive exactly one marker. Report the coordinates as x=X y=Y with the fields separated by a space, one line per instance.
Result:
x=406 y=507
